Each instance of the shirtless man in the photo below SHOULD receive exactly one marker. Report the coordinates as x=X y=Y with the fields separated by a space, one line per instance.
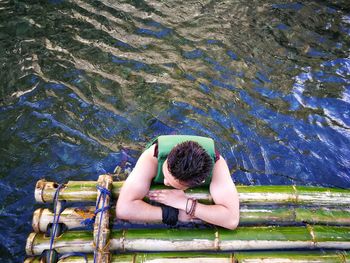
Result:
x=180 y=162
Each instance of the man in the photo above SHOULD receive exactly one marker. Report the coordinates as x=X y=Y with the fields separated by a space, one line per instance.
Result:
x=181 y=162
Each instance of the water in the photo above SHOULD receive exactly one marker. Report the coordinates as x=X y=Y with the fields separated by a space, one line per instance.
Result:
x=85 y=84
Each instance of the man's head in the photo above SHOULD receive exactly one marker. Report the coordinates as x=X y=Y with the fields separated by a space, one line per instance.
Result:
x=189 y=164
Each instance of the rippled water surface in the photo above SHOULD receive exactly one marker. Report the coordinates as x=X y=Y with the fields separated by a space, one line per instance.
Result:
x=85 y=84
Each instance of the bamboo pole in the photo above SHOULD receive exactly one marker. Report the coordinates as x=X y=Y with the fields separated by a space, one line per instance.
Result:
x=101 y=225
x=238 y=257
x=243 y=238
x=85 y=191
x=292 y=256
x=73 y=217
x=326 y=216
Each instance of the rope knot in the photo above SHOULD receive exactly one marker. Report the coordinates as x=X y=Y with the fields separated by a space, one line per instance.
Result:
x=104 y=191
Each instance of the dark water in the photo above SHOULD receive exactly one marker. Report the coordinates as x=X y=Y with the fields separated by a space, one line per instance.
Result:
x=85 y=84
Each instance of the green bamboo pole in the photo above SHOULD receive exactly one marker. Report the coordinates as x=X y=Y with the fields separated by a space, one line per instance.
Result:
x=292 y=256
x=322 y=196
x=243 y=238
x=302 y=195
x=253 y=195
x=294 y=215
x=101 y=225
x=73 y=217
x=238 y=257
x=326 y=216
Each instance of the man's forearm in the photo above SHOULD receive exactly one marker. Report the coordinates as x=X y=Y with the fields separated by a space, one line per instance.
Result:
x=140 y=211
x=217 y=215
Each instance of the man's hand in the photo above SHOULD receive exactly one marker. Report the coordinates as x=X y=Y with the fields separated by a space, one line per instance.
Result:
x=173 y=198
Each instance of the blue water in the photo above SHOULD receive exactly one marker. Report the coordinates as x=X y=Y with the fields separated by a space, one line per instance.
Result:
x=86 y=84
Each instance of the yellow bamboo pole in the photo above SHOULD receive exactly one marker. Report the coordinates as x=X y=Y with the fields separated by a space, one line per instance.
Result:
x=85 y=191
x=101 y=225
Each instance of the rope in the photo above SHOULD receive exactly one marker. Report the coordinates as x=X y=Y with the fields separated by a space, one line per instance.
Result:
x=104 y=190
x=90 y=221
x=103 y=194
x=104 y=249
x=102 y=209
x=56 y=217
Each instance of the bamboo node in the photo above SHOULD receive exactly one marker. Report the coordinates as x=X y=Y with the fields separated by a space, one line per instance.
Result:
x=342 y=257
x=312 y=233
x=39 y=190
x=36 y=219
x=30 y=244
x=217 y=240
x=296 y=194
x=122 y=240
x=294 y=213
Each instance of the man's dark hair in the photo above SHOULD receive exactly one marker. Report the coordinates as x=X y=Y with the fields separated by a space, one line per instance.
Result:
x=190 y=163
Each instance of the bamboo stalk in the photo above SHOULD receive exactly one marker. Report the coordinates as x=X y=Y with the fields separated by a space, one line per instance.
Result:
x=72 y=191
x=243 y=238
x=294 y=215
x=322 y=196
x=101 y=226
x=292 y=256
x=302 y=195
x=74 y=216
x=238 y=257
x=85 y=191
x=71 y=217
x=321 y=216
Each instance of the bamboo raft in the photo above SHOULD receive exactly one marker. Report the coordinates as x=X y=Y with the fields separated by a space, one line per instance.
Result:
x=277 y=224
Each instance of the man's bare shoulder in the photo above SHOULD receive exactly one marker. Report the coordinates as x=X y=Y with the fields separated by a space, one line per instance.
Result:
x=146 y=166
x=220 y=165
x=222 y=187
x=221 y=173
x=138 y=182
x=149 y=155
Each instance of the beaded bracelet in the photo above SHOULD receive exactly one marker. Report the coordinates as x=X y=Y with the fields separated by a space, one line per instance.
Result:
x=188 y=211
x=193 y=207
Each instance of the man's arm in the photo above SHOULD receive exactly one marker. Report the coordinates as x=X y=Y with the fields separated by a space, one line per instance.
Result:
x=130 y=205
x=225 y=212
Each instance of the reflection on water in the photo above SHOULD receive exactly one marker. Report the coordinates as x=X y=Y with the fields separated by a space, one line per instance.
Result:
x=85 y=84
